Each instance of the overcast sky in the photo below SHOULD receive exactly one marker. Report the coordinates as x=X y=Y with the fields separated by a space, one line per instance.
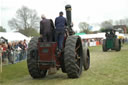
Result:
x=91 y=11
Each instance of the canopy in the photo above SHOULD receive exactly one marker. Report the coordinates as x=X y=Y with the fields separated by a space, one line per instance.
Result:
x=100 y=35
x=80 y=33
x=92 y=36
x=13 y=36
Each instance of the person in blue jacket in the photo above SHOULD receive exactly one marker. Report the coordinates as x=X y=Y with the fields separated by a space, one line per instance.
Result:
x=60 y=24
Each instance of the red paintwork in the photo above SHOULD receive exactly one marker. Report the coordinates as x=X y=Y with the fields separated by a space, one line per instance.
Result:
x=49 y=55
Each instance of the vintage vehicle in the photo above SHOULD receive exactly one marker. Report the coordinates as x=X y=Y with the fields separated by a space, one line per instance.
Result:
x=42 y=56
x=111 y=41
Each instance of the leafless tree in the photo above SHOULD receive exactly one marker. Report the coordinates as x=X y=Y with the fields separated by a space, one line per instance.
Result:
x=84 y=27
x=25 y=19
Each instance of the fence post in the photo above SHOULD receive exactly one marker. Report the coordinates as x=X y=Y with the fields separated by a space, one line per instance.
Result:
x=0 y=61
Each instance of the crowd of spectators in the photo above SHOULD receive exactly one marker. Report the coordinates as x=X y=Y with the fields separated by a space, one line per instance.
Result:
x=99 y=41
x=13 y=52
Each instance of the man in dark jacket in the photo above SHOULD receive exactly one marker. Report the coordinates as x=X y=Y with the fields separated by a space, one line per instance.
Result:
x=60 y=23
x=46 y=29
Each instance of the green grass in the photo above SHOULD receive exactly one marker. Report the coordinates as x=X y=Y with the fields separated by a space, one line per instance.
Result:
x=13 y=71
x=107 y=68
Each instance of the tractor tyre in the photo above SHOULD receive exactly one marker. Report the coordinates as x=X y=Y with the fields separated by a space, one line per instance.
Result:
x=73 y=56
x=86 y=58
x=62 y=63
x=117 y=45
x=104 y=47
x=32 y=57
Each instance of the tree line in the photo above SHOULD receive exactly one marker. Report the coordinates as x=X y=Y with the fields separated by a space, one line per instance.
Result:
x=26 y=22
x=2 y=29
x=84 y=26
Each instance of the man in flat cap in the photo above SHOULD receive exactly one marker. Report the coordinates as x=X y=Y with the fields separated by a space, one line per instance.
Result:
x=46 y=29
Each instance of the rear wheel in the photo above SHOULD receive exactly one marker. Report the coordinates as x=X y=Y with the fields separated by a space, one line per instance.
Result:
x=73 y=56
x=104 y=47
x=117 y=45
x=86 y=58
x=32 y=57
x=62 y=63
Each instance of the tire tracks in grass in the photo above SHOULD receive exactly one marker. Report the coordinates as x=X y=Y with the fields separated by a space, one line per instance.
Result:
x=101 y=71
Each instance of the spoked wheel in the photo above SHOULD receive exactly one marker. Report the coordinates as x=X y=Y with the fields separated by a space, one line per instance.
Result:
x=117 y=44
x=73 y=56
x=104 y=47
x=86 y=58
x=32 y=56
x=62 y=63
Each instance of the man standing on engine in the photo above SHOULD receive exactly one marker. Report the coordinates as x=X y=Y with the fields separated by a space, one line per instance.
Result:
x=60 y=24
x=46 y=29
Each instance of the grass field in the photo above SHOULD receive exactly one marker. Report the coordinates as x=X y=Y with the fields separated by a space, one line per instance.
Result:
x=107 y=68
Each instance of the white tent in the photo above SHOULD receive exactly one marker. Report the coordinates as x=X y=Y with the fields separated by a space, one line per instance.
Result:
x=92 y=36
x=13 y=36
x=99 y=35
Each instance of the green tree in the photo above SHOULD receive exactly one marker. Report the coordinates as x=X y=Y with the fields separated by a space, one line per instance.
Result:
x=2 y=29
x=25 y=20
x=84 y=27
x=106 y=25
x=102 y=29
x=29 y=32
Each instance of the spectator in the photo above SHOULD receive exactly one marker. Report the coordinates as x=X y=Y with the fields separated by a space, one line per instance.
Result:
x=25 y=49
x=13 y=51
x=10 y=53
x=16 y=51
x=21 y=51
x=4 y=53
